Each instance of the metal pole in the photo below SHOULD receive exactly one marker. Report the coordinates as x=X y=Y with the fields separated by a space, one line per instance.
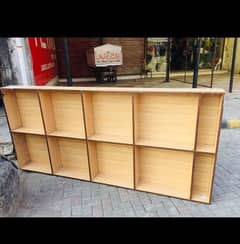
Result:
x=233 y=64
x=213 y=60
x=186 y=59
x=196 y=63
x=67 y=62
x=168 y=60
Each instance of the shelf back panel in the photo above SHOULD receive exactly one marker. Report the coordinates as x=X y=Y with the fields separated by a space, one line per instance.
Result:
x=37 y=148
x=166 y=120
x=29 y=109
x=112 y=116
x=114 y=161
x=12 y=110
x=68 y=113
x=69 y=157
x=73 y=153
x=32 y=150
x=23 y=110
x=163 y=171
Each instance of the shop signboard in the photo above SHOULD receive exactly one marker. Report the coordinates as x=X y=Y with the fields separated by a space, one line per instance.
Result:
x=105 y=55
x=43 y=54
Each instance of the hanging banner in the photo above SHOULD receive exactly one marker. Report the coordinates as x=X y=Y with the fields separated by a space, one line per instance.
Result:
x=43 y=59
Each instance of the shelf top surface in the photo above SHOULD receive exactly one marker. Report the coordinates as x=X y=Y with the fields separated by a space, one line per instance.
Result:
x=118 y=89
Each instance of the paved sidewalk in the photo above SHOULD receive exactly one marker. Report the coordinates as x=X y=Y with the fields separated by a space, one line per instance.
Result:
x=51 y=196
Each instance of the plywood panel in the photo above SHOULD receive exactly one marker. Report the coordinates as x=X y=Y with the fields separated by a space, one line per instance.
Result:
x=47 y=110
x=88 y=110
x=54 y=152
x=72 y=154
x=109 y=138
x=167 y=120
x=26 y=130
x=112 y=117
x=36 y=167
x=136 y=117
x=166 y=172
x=93 y=159
x=202 y=177
x=29 y=110
x=73 y=172
x=68 y=113
x=20 y=144
x=115 y=164
x=210 y=111
x=121 y=89
x=23 y=111
x=38 y=151
x=137 y=166
x=113 y=180
x=68 y=134
x=11 y=106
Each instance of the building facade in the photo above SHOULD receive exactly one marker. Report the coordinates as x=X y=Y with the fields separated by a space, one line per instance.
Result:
x=41 y=61
x=149 y=53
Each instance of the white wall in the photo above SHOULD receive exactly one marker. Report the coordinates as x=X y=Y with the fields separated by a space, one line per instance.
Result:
x=21 y=61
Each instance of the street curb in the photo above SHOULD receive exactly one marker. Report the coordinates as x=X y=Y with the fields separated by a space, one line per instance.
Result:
x=231 y=124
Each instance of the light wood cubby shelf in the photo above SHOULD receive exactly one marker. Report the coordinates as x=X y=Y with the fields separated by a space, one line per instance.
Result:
x=156 y=140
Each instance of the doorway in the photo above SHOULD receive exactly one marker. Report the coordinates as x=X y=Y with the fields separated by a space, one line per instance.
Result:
x=182 y=53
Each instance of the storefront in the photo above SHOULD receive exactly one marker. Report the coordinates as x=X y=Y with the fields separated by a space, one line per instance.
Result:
x=142 y=53
x=182 y=54
x=156 y=54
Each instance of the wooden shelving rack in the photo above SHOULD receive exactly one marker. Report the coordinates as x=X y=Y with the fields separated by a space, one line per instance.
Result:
x=157 y=140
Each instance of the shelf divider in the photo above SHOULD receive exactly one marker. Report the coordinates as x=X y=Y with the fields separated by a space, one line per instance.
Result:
x=86 y=135
x=217 y=144
x=195 y=142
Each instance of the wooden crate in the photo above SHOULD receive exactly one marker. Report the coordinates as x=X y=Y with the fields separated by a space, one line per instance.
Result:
x=156 y=140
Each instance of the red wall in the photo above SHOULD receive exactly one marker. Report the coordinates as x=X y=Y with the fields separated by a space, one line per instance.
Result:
x=43 y=59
